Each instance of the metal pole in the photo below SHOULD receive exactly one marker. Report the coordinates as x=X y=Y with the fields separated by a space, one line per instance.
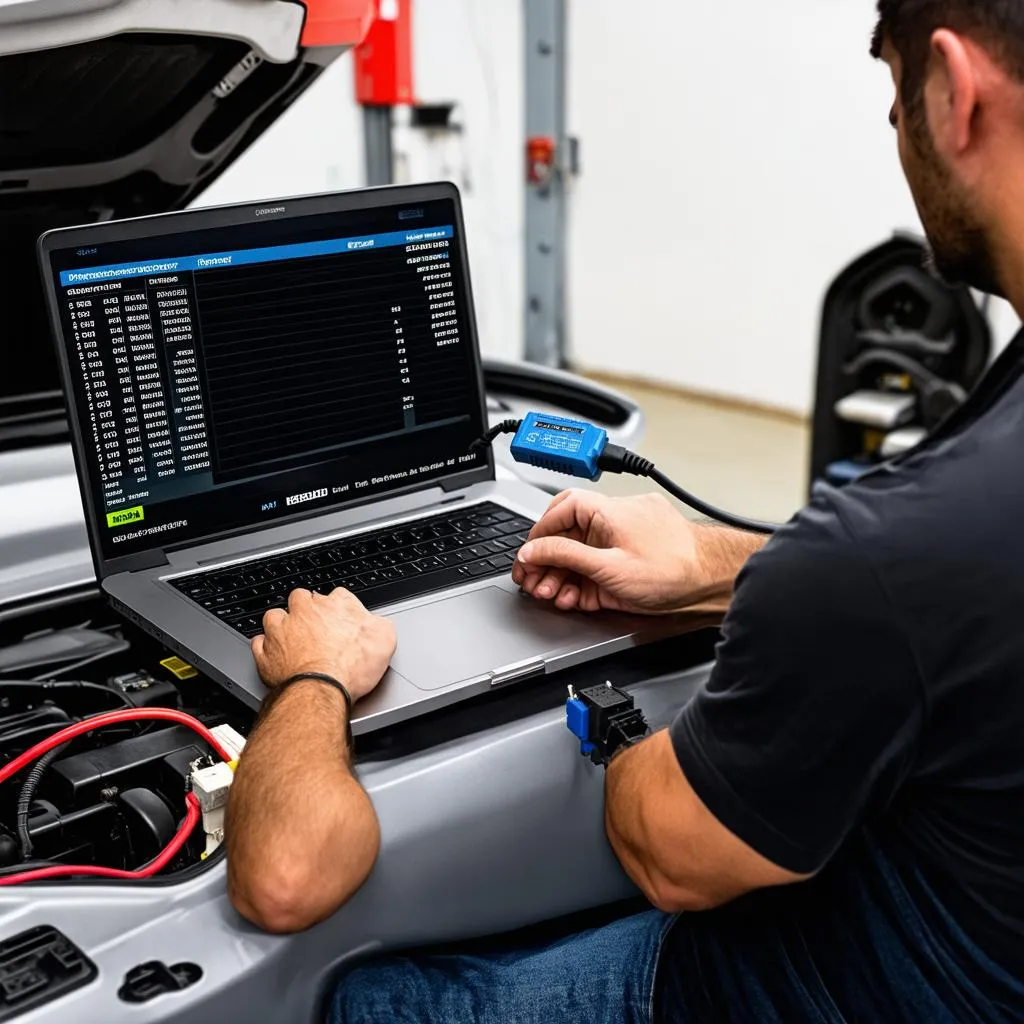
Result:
x=379 y=155
x=548 y=159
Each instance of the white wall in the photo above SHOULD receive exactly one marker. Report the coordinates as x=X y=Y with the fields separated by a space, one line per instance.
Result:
x=736 y=155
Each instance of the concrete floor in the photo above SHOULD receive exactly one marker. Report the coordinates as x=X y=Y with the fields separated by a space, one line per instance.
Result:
x=745 y=461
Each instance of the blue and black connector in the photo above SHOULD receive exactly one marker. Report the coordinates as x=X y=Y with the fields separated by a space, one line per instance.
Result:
x=605 y=720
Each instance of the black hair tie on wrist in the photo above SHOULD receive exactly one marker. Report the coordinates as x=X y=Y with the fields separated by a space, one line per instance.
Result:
x=321 y=677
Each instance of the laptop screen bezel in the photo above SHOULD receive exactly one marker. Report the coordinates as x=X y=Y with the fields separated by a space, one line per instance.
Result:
x=244 y=214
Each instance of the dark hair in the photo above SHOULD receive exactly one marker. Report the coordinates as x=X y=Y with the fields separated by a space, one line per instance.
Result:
x=998 y=25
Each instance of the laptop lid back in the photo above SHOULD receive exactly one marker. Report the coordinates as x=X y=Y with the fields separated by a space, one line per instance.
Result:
x=233 y=368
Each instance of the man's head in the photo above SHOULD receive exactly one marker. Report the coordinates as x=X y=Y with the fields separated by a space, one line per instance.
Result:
x=959 y=112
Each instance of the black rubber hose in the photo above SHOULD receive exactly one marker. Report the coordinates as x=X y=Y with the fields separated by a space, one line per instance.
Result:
x=28 y=791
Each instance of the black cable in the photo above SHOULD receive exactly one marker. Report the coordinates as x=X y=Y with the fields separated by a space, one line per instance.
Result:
x=726 y=518
x=505 y=427
x=617 y=459
x=62 y=684
x=32 y=865
x=28 y=791
x=26 y=737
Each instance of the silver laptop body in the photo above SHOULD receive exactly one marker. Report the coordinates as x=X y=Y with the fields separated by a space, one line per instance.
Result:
x=294 y=385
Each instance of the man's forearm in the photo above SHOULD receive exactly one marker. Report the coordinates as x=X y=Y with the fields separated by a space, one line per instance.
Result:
x=632 y=784
x=302 y=835
x=723 y=552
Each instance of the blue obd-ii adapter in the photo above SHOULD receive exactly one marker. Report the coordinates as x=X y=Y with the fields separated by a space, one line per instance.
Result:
x=561 y=445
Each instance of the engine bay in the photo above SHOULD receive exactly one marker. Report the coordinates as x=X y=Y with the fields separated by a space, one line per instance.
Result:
x=122 y=797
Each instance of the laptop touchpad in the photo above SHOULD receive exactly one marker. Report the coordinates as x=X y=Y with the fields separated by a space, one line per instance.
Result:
x=469 y=635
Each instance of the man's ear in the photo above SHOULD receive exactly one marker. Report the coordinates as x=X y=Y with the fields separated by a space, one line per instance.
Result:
x=951 y=93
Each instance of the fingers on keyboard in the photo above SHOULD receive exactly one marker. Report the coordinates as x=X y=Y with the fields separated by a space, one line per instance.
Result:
x=382 y=567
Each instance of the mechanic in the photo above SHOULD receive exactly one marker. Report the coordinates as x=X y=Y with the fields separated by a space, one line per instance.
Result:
x=833 y=829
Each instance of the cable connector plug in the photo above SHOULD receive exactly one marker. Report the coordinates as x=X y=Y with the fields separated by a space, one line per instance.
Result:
x=616 y=459
x=605 y=720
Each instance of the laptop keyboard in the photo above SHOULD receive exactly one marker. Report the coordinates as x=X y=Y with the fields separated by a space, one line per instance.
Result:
x=382 y=567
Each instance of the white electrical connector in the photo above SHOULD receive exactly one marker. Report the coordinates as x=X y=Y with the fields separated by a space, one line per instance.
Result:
x=210 y=786
x=233 y=742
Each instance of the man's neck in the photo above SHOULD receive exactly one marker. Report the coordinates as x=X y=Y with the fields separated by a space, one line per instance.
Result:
x=1009 y=246
x=1011 y=272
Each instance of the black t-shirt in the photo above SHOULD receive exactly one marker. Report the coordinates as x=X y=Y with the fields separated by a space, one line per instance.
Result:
x=865 y=721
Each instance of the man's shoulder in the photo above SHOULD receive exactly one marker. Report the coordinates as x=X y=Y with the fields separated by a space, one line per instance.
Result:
x=818 y=542
x=816 y=574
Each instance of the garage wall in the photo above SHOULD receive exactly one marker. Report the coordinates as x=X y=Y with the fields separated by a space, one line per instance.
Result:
x=741 y=151
x=735 y=156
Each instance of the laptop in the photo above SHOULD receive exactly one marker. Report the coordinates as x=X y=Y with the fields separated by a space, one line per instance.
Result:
x=279 y=395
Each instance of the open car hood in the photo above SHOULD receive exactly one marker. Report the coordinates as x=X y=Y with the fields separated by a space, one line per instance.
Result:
x=121 y=108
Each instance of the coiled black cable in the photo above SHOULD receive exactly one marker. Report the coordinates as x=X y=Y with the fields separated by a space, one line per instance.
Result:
x=28 y=791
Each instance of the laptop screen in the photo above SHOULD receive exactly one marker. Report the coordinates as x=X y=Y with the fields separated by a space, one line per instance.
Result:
x=231 y=376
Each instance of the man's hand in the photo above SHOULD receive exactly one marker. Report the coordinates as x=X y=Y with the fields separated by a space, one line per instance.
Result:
x=334 y=634
x=592 y=552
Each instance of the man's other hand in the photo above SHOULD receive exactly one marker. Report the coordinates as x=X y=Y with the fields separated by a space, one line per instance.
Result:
x=592 y=552
x=335 y=635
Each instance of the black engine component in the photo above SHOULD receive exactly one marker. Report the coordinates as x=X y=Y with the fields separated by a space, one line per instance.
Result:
x=150 y=824
x=116 y=796
x=79 y=833
x=144 y=691
x=85 y=775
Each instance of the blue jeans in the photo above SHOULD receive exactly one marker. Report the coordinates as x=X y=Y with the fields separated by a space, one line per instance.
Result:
x=602 y=976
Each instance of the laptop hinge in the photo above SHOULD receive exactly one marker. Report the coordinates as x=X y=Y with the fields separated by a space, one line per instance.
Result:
x=463 y=480
x=520 y=670
x=148 y=560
